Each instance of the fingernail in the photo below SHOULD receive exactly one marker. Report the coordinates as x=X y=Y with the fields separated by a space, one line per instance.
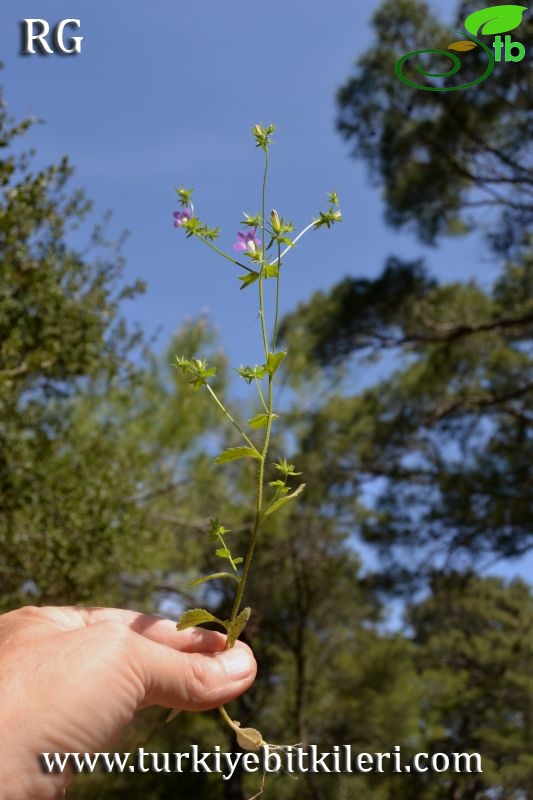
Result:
x=237 y=662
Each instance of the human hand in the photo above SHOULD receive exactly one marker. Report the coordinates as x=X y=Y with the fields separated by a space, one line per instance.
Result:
x=71 y=678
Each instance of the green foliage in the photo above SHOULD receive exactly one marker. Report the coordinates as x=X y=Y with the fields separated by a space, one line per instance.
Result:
x=357 y=313
x=197 y=616
x=260 y=420
x=273 y=362
x=195 y=227
x=213 y=577
x=197 y=368
x=234 y=453
x=278 y=502
x=285 y=468
x=185 y=196
x=263 y=135
x=88 y=480
x=328 y=218
x=65 y=485
x=238 y=625
x=474 y=638
x=217 y=533
x=442 y=435
x=250 y=277
x=446 y=161
x=256 y=251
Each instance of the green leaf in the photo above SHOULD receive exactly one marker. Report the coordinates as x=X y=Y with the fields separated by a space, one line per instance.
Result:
x=282 y=500
x=182 y=363
x=496 y=19
x=196 y=616
x=216 y=529
x=285 y=468
x=250 y=277
x=274 y=360
x=251 y=373
x=247 y=373
x=223 y=552
x=184 y=195
x=215 y=576
x=327 y=218
x=253 y=221
x=260 y=420
x=237 y=627
x=263 y=135
x=233 y=453
x=271 y=270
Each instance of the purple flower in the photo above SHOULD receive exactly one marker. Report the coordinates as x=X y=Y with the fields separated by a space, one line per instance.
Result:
x=181 y=216
x=247 y=241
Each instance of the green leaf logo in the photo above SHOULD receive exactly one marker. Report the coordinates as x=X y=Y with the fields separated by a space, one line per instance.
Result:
x=497 y=19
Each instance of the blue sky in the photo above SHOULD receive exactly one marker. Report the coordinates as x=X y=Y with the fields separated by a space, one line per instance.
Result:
x=164 y=94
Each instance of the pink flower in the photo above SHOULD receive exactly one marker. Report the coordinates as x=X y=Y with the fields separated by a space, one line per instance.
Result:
x=247 y=241
x=181 y=216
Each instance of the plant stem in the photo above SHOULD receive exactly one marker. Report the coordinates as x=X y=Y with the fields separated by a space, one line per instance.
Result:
x=222 y=253
x=226 y=717
x=261 y=396
x=261 y=297
x=226 y=412
x=269 y=411
x=275 y=333
x=259 y=506
x=231 y=561
x=262 y=314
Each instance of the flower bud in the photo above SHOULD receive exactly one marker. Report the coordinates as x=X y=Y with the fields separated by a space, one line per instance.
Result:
x=276 y=225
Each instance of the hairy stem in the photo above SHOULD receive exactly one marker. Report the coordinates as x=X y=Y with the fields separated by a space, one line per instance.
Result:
x=259 y=506
x=261 y=296
x=228 y=415
x=261 y=395
x=276 y=312
x=222 y=253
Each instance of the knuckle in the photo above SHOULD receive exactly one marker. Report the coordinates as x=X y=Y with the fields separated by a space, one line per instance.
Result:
x=114 y=632
x=35 y=612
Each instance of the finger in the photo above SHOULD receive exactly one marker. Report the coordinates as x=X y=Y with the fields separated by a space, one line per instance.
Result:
x=192 y=681
x=158 y=629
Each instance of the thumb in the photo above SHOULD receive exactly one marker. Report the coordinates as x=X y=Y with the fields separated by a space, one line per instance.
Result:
x=193 y=681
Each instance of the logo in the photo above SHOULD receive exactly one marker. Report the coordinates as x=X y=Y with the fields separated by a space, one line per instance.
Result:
x=35 y=31
x=486 y=21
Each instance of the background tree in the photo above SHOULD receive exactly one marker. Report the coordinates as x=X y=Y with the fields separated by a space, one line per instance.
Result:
x=448 y=431
x=474 y=641
x=87 y=414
